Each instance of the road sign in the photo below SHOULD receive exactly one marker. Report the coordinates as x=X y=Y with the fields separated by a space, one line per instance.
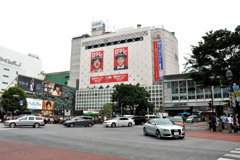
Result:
x=63 y=102
x=21 y=102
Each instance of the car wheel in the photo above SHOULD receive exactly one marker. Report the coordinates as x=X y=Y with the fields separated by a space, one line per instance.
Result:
x=142 y=123
x=180 y=137
x=12 y=125
x=113 y=125
x=130 y=124
x=145 y=131
x=89 y=124
x=158 y=134
x=36 y=125
x=71 y=125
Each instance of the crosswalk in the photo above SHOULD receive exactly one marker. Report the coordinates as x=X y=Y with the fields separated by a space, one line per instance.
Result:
x=233 y=155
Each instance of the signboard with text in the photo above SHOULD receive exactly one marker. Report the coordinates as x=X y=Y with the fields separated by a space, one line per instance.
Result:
x=160 y=60
x=109 y=78
x=156 y=68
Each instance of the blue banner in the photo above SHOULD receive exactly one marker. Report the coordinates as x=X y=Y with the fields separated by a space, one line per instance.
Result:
x=160 y=61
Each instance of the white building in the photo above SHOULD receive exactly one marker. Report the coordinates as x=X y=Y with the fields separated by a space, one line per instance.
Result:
x=13 y=63
x=141 y=58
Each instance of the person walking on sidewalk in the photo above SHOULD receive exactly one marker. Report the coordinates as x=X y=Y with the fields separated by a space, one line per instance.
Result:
x=213 y=119
x=226 y=123
x=217 y=123
x=229 y=124
x=223 y=121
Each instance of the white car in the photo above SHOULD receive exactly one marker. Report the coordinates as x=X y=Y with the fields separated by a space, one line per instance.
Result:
x=119 y=121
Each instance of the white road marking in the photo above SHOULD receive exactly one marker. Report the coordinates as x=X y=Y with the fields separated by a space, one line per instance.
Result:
x=235 y=151
x=237 y=148
x=224 y=159
x=232 y=155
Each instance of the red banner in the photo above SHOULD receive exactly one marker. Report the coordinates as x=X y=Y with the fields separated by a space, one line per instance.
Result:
x=109 y=78
x=96 y=62
x=155 y=47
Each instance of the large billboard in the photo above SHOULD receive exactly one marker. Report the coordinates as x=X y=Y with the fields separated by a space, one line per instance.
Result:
x=40 y=104
x=30 y=84
x=156 y=69
x=109 y=78
x=96 y=62
x=160 y=60
x=52 y=88
x=121 y=58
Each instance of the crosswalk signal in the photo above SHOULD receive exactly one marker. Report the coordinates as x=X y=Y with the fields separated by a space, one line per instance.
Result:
x=210 y=105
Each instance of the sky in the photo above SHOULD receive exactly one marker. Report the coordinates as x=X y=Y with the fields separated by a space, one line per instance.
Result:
x=46 y=27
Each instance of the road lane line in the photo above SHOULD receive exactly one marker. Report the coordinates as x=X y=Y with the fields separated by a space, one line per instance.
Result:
x=232 y=155
x=224 y=159
x=235 y=151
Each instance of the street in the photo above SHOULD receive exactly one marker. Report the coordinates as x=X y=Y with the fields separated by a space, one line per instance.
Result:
x=122 y=142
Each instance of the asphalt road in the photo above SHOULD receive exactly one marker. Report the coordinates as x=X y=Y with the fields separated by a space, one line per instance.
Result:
x=125 y=142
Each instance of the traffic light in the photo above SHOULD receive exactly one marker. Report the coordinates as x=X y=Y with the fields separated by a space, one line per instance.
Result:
x=60 y=109
x=210 y=104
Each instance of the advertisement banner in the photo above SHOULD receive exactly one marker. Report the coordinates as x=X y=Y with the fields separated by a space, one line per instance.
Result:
x=47 y=105
x=30 y=84
x=120 y=58
x=109 y=78
x=96 y=62
x=34 y=103
x=52 y=88
x=160 y=60
x=156 y=68
x=237 y=92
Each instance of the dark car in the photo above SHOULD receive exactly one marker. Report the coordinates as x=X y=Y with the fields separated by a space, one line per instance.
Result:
x=65 y=119
x=138 y=120
x=80 y=121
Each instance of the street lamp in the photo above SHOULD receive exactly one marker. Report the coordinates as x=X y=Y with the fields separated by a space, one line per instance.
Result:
x=229 y=76
x=121 y=109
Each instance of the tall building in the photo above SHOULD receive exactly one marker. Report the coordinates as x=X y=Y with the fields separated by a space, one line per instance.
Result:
x=13 y=63
x=96 y=62
x=58 y=77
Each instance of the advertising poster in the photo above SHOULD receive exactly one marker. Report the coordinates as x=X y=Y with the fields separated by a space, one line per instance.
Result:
x=160 y=60
x=52 y=88
x=156 y=68
x=30 y=84
x=96 y=62
x=237 y=92
x=121 y=58
x=109 y=78
x=47 y=105
x=34 y=103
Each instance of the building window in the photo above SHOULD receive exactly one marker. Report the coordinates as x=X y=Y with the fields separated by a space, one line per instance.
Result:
x=199 y=92
x=6 y=69
x=174 y=86
x=66 y=76
x=4 y=82
x=3 y=89
x=217 y=93
x=191 y=93
x=5 y=76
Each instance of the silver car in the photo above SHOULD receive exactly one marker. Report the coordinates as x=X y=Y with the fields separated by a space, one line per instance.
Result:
x=34 y=121
x=163 y=128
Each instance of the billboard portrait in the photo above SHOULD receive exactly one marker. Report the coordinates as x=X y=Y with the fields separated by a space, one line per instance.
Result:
x=52 y=88
x=34 y=103
x=96 y=62
x=47 y=105
x=30 y=84
x=121 y=58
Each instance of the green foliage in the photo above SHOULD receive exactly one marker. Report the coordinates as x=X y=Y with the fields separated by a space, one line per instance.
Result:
x=131 y=95
x=211 y=58
x=106 y=108
x=14 y=103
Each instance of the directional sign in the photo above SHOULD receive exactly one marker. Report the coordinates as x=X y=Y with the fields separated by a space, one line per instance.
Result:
x=21 y=102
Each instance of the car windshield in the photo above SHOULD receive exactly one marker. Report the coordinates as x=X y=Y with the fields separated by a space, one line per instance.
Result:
x=115 y=118
x=190 y=117
x=176 y=120
x=163 y=121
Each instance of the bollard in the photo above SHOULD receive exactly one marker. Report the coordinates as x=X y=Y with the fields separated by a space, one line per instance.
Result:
x=229 y=127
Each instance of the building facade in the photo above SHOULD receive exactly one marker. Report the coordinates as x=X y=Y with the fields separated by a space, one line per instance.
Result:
x=149 y=53
x=58 y=77
x=13 y=63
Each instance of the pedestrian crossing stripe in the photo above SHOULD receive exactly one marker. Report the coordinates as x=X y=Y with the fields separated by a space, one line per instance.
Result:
x=237 y=148
x=232 y=155
x=235 y=151
x=224 y=159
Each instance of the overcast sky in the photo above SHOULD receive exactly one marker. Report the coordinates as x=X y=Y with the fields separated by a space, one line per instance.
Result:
x=46 y=27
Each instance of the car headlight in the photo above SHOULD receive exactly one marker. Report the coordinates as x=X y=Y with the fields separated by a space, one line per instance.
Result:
x=166 y=130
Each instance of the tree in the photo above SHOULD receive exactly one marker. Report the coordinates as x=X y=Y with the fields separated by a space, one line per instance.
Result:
x=106 y=108
x=131 y=96
x=211 y=58
x=14 y=103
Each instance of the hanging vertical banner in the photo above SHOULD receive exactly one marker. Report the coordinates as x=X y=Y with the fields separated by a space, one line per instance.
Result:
x=237 y=92
x=160 y=60
x=156 y=69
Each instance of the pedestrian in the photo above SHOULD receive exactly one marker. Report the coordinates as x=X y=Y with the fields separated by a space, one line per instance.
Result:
x=226 y=122
x=217 y=123
x=5 y=117
x=223 y=121
x=213 y=121
x=229 y=124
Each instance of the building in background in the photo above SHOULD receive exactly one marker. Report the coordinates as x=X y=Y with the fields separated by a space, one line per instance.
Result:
x=13 y=63
x=96 y=67
x=58 y=77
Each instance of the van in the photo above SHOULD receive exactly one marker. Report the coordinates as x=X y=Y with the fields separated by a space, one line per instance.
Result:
x=151 y=116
